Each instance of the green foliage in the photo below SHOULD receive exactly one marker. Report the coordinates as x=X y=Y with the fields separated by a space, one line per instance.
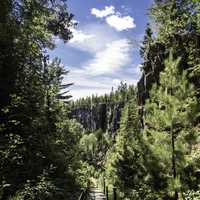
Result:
x=85 y=173
x=148 y=39
x=88 y=143
x=39 y=145
x=45 y=155
x=124 y=160
x=170 y=119
x=94 y=147
x=44 y=189
x=161 y=161
x=173 y=16
x=194 y=195
x=175 y=25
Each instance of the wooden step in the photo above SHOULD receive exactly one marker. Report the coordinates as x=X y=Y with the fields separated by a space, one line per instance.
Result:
x=96 y=194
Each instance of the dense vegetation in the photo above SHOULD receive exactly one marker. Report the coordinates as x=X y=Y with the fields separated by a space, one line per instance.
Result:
x=143 y=140
x=159 y=161
x=154 y=152
x=159 y=157
x=38 y=143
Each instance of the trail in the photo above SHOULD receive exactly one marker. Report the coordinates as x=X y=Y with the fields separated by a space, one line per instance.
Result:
x=96 y=194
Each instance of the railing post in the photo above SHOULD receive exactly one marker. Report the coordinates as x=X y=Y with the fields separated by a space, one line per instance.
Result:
x=104 y=186
x=107 y=198
x=114 y=193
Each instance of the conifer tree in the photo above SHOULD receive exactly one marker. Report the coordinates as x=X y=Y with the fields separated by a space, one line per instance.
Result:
x=37 y=139
x=170 y=119
x=124 y=161
x=148 y=39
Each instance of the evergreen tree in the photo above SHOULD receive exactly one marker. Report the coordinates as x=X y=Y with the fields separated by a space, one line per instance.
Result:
x=124 y=166
x=178 y=25
x=148 y=39
x=38 y=159
x=170 y=118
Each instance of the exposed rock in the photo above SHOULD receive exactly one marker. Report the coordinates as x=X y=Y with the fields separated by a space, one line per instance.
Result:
x=156 y=52
x=105 y=116
x=152 y=66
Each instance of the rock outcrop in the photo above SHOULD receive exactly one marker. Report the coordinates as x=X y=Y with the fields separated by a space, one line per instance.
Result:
x=152 y=66
x=105 y=116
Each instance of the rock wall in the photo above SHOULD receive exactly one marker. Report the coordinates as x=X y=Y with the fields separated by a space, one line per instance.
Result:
x=105 y=116
x=152 y=66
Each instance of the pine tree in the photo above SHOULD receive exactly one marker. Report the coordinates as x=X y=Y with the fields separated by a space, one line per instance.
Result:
x=148 y=39
x=124 y=161
x=177 y=26
x=36 y=159
x=170 y=118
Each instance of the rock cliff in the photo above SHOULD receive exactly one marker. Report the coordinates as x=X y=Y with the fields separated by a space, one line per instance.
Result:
x=105 y=116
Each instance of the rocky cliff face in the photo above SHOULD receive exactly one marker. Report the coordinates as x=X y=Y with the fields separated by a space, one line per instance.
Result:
x=155 y=54
x=105 y=116
x=152 y=66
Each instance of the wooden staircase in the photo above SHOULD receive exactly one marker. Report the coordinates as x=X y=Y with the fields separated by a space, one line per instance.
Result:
x=92 y=194
x=96 y=194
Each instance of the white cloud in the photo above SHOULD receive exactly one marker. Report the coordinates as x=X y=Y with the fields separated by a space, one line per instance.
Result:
x=112 y=58
x=80 y=92
x=82 y=78
x=108 y=10
x=79 y=36
x=116 y=81
x=120 y=23
x=107 y=64
x=87 y=85
x=93 y=37
x=114 y=19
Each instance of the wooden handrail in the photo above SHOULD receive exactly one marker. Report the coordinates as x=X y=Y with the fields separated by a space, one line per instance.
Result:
x=83 y=195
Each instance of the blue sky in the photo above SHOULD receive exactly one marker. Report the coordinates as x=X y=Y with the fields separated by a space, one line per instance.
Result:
x=105 y=46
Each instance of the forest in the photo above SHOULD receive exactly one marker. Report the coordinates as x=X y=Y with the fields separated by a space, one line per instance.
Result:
x=143 y=140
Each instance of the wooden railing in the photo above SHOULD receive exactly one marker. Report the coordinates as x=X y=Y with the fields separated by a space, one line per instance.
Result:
x=83 y=195
x=110 y=193
x=106 y=192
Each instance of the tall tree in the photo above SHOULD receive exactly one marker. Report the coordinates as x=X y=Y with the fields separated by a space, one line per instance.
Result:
x=176 y=26
x=124 y=163
x=170 y=119
x=148 y=39
x=34 y=129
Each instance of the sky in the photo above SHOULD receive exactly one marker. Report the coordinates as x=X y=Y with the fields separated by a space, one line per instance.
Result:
x=104 y=49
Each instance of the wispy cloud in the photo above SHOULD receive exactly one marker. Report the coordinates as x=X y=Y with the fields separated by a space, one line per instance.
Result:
x=86 y=85
x=108 y=10
x=96 y=37
x=109 y=51
x=80 y=37
x=111 y=59
x=108 y=64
